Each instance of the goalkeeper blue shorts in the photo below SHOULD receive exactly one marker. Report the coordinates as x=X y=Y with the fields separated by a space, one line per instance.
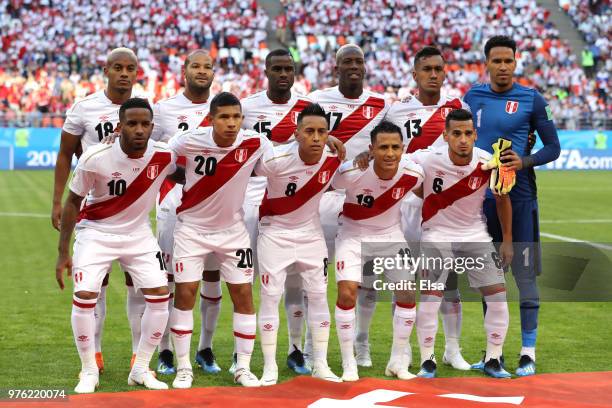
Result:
x=526 y=264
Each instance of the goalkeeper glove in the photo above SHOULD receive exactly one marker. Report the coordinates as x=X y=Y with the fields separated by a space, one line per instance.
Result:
x=502 y=179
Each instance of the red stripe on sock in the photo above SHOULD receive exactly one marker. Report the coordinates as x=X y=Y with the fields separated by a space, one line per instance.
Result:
x=176 y=331
x=84 y=305
x=405 y=305
x=244 y=336
x=344 y=307
x=160 y=300
x=211 y=299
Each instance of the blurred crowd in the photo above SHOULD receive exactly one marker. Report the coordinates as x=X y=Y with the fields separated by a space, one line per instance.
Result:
x=53 y=51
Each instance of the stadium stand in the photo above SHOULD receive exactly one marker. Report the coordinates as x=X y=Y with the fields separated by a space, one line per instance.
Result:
x=52 y=52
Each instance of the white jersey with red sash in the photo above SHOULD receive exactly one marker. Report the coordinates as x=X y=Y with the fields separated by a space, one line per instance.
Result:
x=294 y=188
x=170 y=116
x=351 y=120
x=452 y=194
x=216 y=177
x=372 y=205
x=422 y=125
x=121 y=190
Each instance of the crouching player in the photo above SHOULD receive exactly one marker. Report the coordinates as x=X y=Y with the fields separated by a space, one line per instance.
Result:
x=291 y=239
x=121 y=182
x=371 y=213
x=453 y=226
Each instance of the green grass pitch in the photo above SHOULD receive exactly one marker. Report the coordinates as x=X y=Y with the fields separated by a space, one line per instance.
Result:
x=38 y=349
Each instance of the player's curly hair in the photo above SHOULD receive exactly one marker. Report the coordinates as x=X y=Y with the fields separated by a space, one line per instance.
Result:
x=499 y=41
x=428 y=51
x=312 y=109
x=134 y=103
x=385 y=127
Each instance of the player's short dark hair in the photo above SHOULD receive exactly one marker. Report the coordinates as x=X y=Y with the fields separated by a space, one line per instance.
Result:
x=385 y=127
x=499 y=41
x=223 y=99
x=458 y=114
x=134 y=103
x=428 y=51
x=312 y=109
x=279 y=52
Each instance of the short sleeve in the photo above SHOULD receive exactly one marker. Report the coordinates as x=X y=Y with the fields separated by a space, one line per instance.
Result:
x=74 y=121
x=178 y=144
x=158 y=130
x=82 y=180
x=265 y=166
x=341 y=178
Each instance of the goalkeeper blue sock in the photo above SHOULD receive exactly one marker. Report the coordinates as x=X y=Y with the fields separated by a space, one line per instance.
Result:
x=529 y=323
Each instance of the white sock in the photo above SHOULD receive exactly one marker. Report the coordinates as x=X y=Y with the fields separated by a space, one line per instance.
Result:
x=268 y=327
x=319 y=323
x=245 y=326
x=451 y=311
x=366 y=305
x=181 y=328
x=166 y=342
x=154 y=322
x=135 y=307
x=345 y=328
x=307 y=334
x=403 y=321
x=100 y=315
x=496 y=324
x=84 y=329
x=210 y=307
x=295 y=311
x=528 y=351
x=427 y=324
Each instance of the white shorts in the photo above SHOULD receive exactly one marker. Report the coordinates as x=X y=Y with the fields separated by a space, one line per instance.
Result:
x=292 y=252
x=165 y=238
x=350 y=265
x=329 y=209
x=194 y=251
x=473 y=255
x=137 y=253
x=411 y=208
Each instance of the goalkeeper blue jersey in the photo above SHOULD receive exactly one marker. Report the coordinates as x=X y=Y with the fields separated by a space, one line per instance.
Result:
x=513 y=115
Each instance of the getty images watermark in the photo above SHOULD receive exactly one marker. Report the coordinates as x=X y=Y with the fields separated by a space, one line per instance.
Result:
x=565 y=272
x=399 y=270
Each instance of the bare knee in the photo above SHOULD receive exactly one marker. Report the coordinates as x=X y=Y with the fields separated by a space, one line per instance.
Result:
x=85 y=295
x=161 y=291
x=185 y=295
x=242 y=297
x=347 y=294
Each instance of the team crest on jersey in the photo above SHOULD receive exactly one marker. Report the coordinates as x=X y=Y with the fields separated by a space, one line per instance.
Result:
x=398 y=193
x=445 y=111
x=368 y=112
x=474 y=182
x=324 y=176
x=511 y=107
x=241 y=155
x=294 y=117
x=153 y=171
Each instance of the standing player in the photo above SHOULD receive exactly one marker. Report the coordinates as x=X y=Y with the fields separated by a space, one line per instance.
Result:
x=120 y=181
x=352 y=113
x=506 y=109
x=371 y=213
x=421 y=118
x=453 y=190
x=291 y=240
x=219 y=162
x=87 y=123
x=188 y=110
x=274 y=113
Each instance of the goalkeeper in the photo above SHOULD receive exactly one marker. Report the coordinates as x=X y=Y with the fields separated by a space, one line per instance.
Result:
x=503 y=108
